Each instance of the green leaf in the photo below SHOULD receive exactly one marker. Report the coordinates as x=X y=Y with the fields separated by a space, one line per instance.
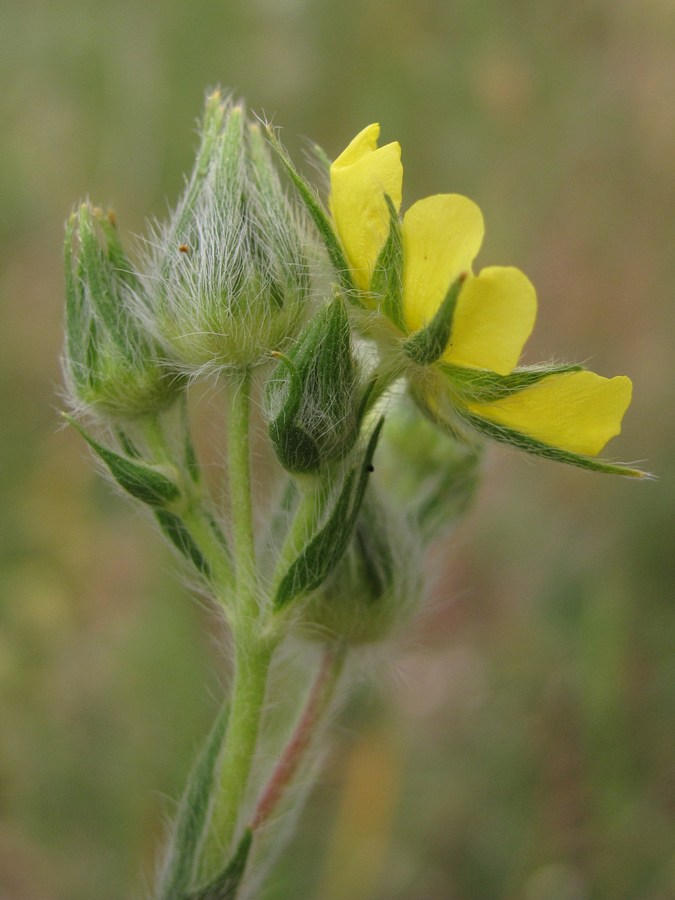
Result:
x=226 y=884
x=427 y=345
x=141 y=481
x=539 y=448
x=127 y=444
x=180 y=865
x=387 y=280
x=319 y=217
x=328 y=545
x=174 y=528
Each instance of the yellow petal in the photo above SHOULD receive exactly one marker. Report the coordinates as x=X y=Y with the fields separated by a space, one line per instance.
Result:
x=576 y=411
x=441 y=236
x=494 y=317
x=360 y=177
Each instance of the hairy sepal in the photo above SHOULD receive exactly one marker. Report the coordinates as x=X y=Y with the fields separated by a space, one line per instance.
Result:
x=483 y=386
x=387 y=281
x=428 y=345
x=316 y=421
x=327 y=546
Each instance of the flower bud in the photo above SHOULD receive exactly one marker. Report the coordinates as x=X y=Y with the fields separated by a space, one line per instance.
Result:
x=228 y=272
x=312 y=398
x=371 y=590
x=111 y=363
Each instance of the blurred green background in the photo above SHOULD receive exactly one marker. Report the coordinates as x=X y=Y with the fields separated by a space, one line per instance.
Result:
x=520 y=743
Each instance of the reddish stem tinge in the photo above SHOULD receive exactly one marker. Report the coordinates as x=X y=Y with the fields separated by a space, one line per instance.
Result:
x=287 y=766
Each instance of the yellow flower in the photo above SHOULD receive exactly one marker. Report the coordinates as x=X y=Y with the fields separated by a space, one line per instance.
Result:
x=565 y=409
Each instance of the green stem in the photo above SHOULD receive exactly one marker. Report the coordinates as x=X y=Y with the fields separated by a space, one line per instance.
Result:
x=252 y=653
x=247 y=703
x=241 y=500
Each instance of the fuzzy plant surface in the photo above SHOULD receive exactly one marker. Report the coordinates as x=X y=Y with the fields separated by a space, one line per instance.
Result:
x=369 y=363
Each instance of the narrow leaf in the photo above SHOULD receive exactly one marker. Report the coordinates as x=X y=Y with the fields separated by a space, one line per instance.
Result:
x=319 y=217
x=175 y=529
x=328 y=545
x=427 y=345
x=225 y=885
x=180 y=863
x=141 y=481
x=127 y=444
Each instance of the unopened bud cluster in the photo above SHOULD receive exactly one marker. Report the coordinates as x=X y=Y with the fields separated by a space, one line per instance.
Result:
x=223 y=287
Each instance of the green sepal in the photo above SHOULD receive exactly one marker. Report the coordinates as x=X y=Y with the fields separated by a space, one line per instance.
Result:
x=327 y=546
x=387 y=280
x=320 y=218
x=316 y=419
x=211 y=125
x=117 y=256
x=179 y=869
x=538 y=448
x=226 y=884
x=78 y=325
x=294 y=447
x=141 y=481
x=96 y=270
x=174 y=528
x=428 y=345
x=483 y=386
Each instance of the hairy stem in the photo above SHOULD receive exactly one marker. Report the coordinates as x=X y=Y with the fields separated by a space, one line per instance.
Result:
x=247 y=703
x=252 y=653
x=241 y=499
